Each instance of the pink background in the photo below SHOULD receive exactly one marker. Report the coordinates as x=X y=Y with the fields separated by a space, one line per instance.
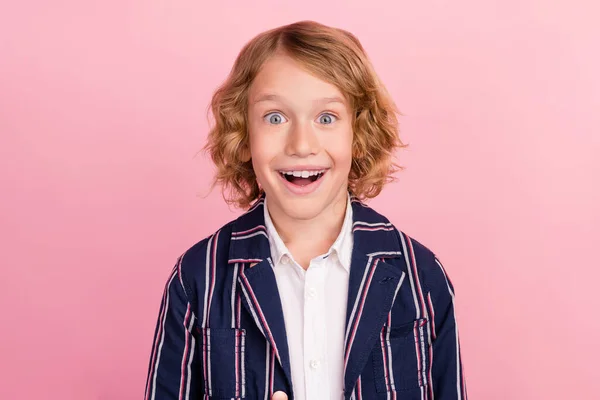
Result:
x=102 y=111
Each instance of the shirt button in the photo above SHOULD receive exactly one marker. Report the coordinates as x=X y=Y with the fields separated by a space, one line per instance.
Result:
x=314 y=364
x=312 y=292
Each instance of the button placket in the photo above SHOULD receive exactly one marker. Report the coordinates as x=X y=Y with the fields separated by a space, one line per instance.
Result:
x=315 y=331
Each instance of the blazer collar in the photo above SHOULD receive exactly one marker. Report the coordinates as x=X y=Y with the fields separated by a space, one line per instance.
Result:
x=372 y=232
x=249 y=238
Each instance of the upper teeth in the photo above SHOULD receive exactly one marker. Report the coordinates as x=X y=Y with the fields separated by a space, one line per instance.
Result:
x=303 y=174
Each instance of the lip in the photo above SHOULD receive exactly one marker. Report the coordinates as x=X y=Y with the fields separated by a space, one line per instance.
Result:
x=303 y=190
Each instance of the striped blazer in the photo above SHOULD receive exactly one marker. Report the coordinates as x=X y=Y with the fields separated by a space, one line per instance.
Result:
x=221 y=334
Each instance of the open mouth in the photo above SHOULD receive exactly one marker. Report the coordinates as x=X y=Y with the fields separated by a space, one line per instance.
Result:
x=302 y=178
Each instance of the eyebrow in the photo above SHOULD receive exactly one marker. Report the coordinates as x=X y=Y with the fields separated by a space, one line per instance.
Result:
x=274 y=97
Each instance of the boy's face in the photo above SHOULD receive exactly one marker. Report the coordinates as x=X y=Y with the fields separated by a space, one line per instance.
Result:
x=300 y=131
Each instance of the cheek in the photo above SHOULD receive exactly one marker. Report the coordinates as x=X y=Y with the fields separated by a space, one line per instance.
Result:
x=262 y=152
x=257 y=145
x=340 y=149
x=260 y=166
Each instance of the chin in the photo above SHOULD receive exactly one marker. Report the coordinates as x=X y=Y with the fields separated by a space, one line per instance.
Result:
x=302 y=209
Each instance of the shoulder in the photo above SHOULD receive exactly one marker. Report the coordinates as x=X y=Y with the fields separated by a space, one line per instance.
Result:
x=416 y=255
x=426 y=263
x=214 y=247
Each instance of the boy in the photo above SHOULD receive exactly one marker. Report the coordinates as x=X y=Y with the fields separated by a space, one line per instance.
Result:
x=310 y=294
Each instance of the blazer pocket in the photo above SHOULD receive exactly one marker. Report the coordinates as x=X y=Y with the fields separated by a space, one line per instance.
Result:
x=224 y=359
x=401 y=357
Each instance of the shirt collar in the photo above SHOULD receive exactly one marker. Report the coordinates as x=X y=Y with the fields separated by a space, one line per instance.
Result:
x=342 y=246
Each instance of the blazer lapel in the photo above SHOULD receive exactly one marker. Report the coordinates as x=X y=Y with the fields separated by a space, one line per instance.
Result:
x=250 y=250
x=372 y=289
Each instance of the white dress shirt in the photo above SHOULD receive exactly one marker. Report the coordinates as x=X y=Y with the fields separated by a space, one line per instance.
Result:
x=314 y=310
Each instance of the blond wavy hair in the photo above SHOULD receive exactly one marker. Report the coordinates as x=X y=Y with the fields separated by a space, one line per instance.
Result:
x=332 y=54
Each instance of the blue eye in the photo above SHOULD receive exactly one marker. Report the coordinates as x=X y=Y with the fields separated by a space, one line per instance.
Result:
x=327 y=119
x=275 y=118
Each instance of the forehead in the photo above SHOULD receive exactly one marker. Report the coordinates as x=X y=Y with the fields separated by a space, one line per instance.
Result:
x=283 y=79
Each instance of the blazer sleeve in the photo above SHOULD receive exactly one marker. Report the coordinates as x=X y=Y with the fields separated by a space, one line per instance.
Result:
x=175 y=366
x=447 y=372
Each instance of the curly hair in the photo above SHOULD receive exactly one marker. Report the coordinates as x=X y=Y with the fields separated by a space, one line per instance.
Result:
x=332 y=54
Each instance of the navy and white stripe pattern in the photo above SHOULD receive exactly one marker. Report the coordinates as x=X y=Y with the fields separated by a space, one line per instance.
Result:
x=220 y=332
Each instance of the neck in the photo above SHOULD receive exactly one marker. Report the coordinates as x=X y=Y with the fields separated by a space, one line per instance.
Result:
x=309 y=238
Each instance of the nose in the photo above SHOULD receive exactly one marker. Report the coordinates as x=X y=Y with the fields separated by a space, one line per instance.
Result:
x=302 y=140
